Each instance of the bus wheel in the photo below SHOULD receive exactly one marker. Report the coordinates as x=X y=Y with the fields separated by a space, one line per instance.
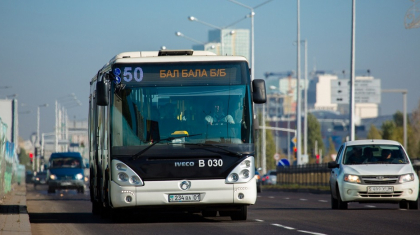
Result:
x=241 y=214
x=96 y=208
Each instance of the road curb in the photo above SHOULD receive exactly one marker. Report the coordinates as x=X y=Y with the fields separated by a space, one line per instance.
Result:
x=14 y=217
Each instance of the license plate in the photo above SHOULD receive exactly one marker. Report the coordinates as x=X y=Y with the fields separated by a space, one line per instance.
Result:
x=380 y=189
x=65 y=183
x=42 y=181
x=184 y=197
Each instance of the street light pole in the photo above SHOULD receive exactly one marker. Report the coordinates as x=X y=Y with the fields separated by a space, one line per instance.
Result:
x=251 y=15
x=37 y=143
x=298 y=100
x=404 y=92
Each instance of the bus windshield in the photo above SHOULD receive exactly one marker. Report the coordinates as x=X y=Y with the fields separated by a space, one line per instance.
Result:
x=190 y=114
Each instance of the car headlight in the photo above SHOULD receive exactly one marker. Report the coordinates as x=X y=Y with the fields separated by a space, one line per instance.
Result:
x=243 y=172
x=53 y=177
x=352 y=179
x=79 y=176
x=124 y=175
x=406 y=178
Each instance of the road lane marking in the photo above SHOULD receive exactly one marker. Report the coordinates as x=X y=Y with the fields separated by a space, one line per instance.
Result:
x=259 y=220
x=282 y=226
x=286 y=198
x=370 y=206
x=303 y=199
x=323 y=200
x=271 y=197
x=303 y=231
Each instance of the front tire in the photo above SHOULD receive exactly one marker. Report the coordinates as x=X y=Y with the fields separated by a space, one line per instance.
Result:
x=414 y=205
x=334 y=202
x=241 y=214
x=341 y=205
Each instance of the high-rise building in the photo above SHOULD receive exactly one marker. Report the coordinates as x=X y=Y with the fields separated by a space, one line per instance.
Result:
x=232 y=42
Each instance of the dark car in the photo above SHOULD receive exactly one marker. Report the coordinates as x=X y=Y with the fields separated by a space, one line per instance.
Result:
x=66 y=171
x=258 y=180
x=40 y=178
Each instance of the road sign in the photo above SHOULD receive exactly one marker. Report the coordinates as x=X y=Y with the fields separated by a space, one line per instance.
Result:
x=365 y=91
x=276 y=156
x=340 y=91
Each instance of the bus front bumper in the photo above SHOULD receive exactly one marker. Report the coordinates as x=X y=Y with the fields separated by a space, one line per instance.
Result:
x=169 y=193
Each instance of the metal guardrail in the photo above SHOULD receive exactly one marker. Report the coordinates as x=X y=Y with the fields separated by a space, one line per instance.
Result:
x=309 y=175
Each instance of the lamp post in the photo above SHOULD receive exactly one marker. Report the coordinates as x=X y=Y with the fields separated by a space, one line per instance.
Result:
x=251 y=15
x=179 y=34
x=37 y=144
x=68 y=101
x=404 y=92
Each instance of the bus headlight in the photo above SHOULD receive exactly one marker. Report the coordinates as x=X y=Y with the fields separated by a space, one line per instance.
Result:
x=53 y=177
x=243 y=172
x=124 y=175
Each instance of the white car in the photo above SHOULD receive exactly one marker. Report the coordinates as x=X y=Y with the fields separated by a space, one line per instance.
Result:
x=373 y=171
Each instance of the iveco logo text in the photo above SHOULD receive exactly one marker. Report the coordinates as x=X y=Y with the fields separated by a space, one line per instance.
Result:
x=178 y=164
x=241 y=188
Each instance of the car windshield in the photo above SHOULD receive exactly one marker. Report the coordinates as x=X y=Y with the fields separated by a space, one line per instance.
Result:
x=374 y=154
x=65 y=162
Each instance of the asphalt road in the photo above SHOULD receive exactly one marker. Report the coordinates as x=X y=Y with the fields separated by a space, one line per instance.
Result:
x=275 y=212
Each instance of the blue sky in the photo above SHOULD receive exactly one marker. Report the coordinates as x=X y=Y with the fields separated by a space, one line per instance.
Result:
x=49 y=49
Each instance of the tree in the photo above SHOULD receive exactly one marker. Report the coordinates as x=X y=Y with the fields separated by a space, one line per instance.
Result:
x=374 y=133
x=394 y=130
x=24 y=159
x=314 y=135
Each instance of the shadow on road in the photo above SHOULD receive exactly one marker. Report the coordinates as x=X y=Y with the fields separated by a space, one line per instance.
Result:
x=86 y=218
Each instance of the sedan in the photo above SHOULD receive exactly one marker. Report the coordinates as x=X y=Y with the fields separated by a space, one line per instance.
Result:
x=373 y=171
x=270 y=177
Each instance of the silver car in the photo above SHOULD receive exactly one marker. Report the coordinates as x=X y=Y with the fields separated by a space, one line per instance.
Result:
x=373 y=171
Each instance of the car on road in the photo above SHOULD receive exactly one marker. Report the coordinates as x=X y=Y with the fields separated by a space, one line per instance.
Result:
x=66 y=171
x=270 y=178
x=40 y=178
x=370 y=171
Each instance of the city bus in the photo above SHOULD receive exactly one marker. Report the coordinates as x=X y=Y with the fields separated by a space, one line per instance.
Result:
x=173 y=130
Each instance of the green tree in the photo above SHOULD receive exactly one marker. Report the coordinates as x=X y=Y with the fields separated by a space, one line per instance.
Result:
x=24 y=159
x=270 y=147
x=374 y=133
x=314 y=135
x=388 y=128
x=415 y=126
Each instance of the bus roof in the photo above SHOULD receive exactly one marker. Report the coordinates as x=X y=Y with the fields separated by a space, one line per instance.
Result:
x=170 y=56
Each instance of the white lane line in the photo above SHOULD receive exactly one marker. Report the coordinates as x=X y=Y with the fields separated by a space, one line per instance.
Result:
x=370 y=206
x=303 y=231
x=286 y=198
x=282 y=226
x=259 y=220
x=271 y=197
x=322 y=200
x=303 y=199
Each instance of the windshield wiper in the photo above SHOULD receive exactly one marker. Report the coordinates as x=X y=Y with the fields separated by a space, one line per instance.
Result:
x=137 y=155
x=216 y=146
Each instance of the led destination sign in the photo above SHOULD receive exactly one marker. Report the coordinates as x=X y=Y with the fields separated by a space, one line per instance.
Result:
x=185 y=73
x=175 y=74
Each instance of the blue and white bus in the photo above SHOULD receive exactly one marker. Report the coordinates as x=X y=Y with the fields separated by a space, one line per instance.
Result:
x=155 y=139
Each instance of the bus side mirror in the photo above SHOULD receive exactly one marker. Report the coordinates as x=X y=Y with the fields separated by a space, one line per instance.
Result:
x=102 y=93
x=258 y=95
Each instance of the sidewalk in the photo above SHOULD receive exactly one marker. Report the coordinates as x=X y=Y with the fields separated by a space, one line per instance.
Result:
x=14 y=218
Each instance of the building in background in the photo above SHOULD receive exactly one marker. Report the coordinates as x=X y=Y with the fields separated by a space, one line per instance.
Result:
x=9 y=117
